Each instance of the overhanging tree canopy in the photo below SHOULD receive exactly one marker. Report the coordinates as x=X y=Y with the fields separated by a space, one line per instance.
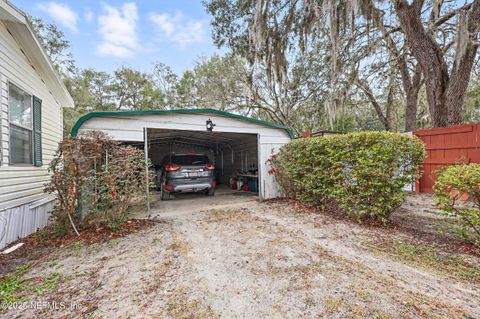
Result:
x=441 y=35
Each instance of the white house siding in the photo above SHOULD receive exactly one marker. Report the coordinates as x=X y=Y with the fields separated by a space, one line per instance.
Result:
x=24 y=207
x=23 y=220
x=21 y=185
x=130 y=128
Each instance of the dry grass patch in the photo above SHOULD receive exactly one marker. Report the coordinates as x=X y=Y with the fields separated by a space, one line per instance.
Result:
x=180 y=247
x=332 y=305
x=341 y=308
x=179 y=306
x=232 y=216
x=229 y=216
x=417 y=306
x=428 y=308
x=427 y=256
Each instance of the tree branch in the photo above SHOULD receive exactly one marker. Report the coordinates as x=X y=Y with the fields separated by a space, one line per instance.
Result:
x=363 y=85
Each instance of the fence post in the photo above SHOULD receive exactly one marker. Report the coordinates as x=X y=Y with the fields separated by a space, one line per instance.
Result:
x=147 y=182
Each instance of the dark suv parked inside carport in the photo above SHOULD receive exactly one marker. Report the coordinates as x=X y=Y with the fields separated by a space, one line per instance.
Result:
x=185 y=173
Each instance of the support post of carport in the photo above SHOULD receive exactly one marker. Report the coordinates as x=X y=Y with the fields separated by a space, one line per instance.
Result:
x=147 y=182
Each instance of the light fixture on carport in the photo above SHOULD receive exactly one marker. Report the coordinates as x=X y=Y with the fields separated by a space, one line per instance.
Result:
x=210 y=125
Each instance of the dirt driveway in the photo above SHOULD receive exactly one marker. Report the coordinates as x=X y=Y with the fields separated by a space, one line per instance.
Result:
x=234 y=257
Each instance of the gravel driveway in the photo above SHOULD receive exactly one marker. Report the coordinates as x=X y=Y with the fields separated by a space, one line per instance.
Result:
x=233 y=257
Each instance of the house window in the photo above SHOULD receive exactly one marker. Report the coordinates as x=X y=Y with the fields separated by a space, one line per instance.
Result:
x=21 y=126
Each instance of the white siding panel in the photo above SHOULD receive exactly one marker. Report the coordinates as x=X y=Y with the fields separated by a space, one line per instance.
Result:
x=24 y=193
x=22 y=184
x=13 y=188
x=22 y=221
x=26 y=197
x=4 y=118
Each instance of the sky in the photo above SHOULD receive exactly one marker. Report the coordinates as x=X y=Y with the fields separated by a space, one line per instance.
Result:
x=107 y=34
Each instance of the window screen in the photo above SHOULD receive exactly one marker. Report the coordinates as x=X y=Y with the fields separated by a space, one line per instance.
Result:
x=20 y=119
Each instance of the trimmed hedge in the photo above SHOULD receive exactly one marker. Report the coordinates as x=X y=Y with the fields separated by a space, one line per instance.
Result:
x=363 y=173
x=457 y=190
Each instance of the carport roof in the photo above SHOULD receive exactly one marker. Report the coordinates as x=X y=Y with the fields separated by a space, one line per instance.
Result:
x=90 y=115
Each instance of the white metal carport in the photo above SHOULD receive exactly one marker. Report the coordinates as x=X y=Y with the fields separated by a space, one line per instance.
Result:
x=234 y=139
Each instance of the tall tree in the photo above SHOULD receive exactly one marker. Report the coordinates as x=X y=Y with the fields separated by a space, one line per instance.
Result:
x=440 y=34
x=186 y=95
x=164 y=80
x=91 y=90
x=269 y=35
x=283 y=78
x=219 y=82
x=56 y=46
x=233 y=84
x=445 y=89
x=421 y=23
x=134 y=90
x=430 y=37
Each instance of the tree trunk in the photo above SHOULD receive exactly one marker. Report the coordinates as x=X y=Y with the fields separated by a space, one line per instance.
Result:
x=411 y=112
x=390 y=105
x=466 y=52
x=429 y=56
x=411 y=85
x=411 y=88
x=457 y=88
x=385 y=120
x=445 y=93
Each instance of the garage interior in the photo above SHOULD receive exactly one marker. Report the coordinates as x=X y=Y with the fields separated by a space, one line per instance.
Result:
x=235 y=155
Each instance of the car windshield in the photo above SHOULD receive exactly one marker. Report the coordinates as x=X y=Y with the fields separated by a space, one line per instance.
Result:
x=190 y=159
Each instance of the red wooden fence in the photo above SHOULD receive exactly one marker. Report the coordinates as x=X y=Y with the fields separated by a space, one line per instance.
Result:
x=447 y=146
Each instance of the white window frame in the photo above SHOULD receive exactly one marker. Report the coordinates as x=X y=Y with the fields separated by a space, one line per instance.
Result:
x=10 y=83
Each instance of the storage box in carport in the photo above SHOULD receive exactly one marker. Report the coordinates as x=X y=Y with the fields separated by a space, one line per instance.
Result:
x=253 y=185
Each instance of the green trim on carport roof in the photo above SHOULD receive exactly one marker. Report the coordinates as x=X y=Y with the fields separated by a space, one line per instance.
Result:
x=88 y=116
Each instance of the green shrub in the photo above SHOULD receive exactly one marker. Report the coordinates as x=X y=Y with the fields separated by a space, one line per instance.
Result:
x=457 y=190
x=363 y=173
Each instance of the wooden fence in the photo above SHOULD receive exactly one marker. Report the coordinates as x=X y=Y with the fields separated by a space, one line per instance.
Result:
x=447 y=146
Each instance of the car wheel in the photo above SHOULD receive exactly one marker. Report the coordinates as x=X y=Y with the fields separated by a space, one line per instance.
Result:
x=210 y=192
x=165 y=195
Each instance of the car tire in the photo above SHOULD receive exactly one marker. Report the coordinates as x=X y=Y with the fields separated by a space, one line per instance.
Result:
x=165 y=195
x=210 y=192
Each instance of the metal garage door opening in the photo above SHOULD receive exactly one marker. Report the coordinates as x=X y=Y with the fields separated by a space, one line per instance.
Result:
x=234 y=155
